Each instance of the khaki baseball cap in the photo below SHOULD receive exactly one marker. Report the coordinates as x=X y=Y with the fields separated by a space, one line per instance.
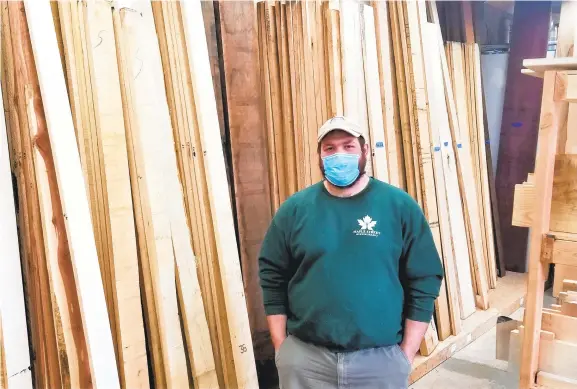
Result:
x=339 y=123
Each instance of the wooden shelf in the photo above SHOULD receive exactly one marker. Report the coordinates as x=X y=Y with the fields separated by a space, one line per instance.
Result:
x=504 y=300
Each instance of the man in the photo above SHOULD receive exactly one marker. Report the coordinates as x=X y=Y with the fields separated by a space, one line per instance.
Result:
x=350 y=272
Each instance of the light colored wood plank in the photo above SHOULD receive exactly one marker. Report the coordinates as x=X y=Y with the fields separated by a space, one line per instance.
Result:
x=562 y=272
x=74 y=200
x=218 y=194
x=354 y=85
x=394 y=142
x=459 y=128
x=552 y=113
x=374 y=98
x=555 y=356
x=571 y=92
x=484 y=174
x=131 y=347
x=564 y=327
x=551 y=64
x=335 y=68
x=15 y=358
x=149 y=134
x=553 y=381
x=455 y=251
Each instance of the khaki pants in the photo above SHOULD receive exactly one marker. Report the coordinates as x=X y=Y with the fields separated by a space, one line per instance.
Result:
x=304 y=366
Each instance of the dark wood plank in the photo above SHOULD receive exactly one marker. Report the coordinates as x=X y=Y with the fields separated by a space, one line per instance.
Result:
x=520 y=123
x=244 y=109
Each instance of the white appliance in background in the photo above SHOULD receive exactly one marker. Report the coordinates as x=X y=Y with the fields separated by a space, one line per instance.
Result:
x=494 y=75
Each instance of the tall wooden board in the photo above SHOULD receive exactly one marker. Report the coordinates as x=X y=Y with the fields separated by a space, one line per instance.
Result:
x=219 y=199
x=74 y=200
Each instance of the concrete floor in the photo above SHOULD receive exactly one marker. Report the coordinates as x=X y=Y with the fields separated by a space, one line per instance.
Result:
x=475 y=366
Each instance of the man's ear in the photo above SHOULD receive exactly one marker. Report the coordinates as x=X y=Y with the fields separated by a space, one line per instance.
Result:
x=366 y=149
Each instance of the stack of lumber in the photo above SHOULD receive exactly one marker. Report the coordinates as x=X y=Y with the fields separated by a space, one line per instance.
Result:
x=130 y=267
x=558 y=342
x=563 y=218
x=384 y=65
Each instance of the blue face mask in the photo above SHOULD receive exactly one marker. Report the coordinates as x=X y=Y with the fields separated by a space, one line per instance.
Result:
x=341 y=169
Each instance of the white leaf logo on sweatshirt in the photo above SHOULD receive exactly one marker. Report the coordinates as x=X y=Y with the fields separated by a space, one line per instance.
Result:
x=367 y=223
x=367 y=227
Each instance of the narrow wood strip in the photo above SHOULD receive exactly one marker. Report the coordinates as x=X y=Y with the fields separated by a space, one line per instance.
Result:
x=413 y=137
x=43 y=340
x=334 y=59
x=14 y=353
x=276 y=96
x=374 y=98
x=287 y=111
x=484 y=150
x=218 y=194
x=401 y=95
x=265 y=74
x=393 y=134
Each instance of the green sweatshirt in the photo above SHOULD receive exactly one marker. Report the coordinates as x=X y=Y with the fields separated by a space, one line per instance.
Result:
x=348 y=271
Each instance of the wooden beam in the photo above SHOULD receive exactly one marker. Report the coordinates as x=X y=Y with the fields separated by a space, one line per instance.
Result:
x=15 y=359
x=74 y=200
x=552 y=114
x=219 y=199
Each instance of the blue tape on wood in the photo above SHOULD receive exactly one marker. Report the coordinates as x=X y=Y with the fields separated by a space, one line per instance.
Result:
x=437 y=148
x=517 y=124
x=446 y=144
x=459 y=145
x=380 y=144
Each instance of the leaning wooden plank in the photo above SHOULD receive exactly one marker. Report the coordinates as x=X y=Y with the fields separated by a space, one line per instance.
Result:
x=167 y=234
x=248 y=143
x=437 y=119
x=74 y=200
x=454 y=199
x=42 y=324
x=552 y=113
x=101 y=52
x=354 y=90
x=374 y=98
x=553 y=381
x=15 y=358
x=218 y=195
x=484 y=172
x=74 y=369
x=393 y=134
